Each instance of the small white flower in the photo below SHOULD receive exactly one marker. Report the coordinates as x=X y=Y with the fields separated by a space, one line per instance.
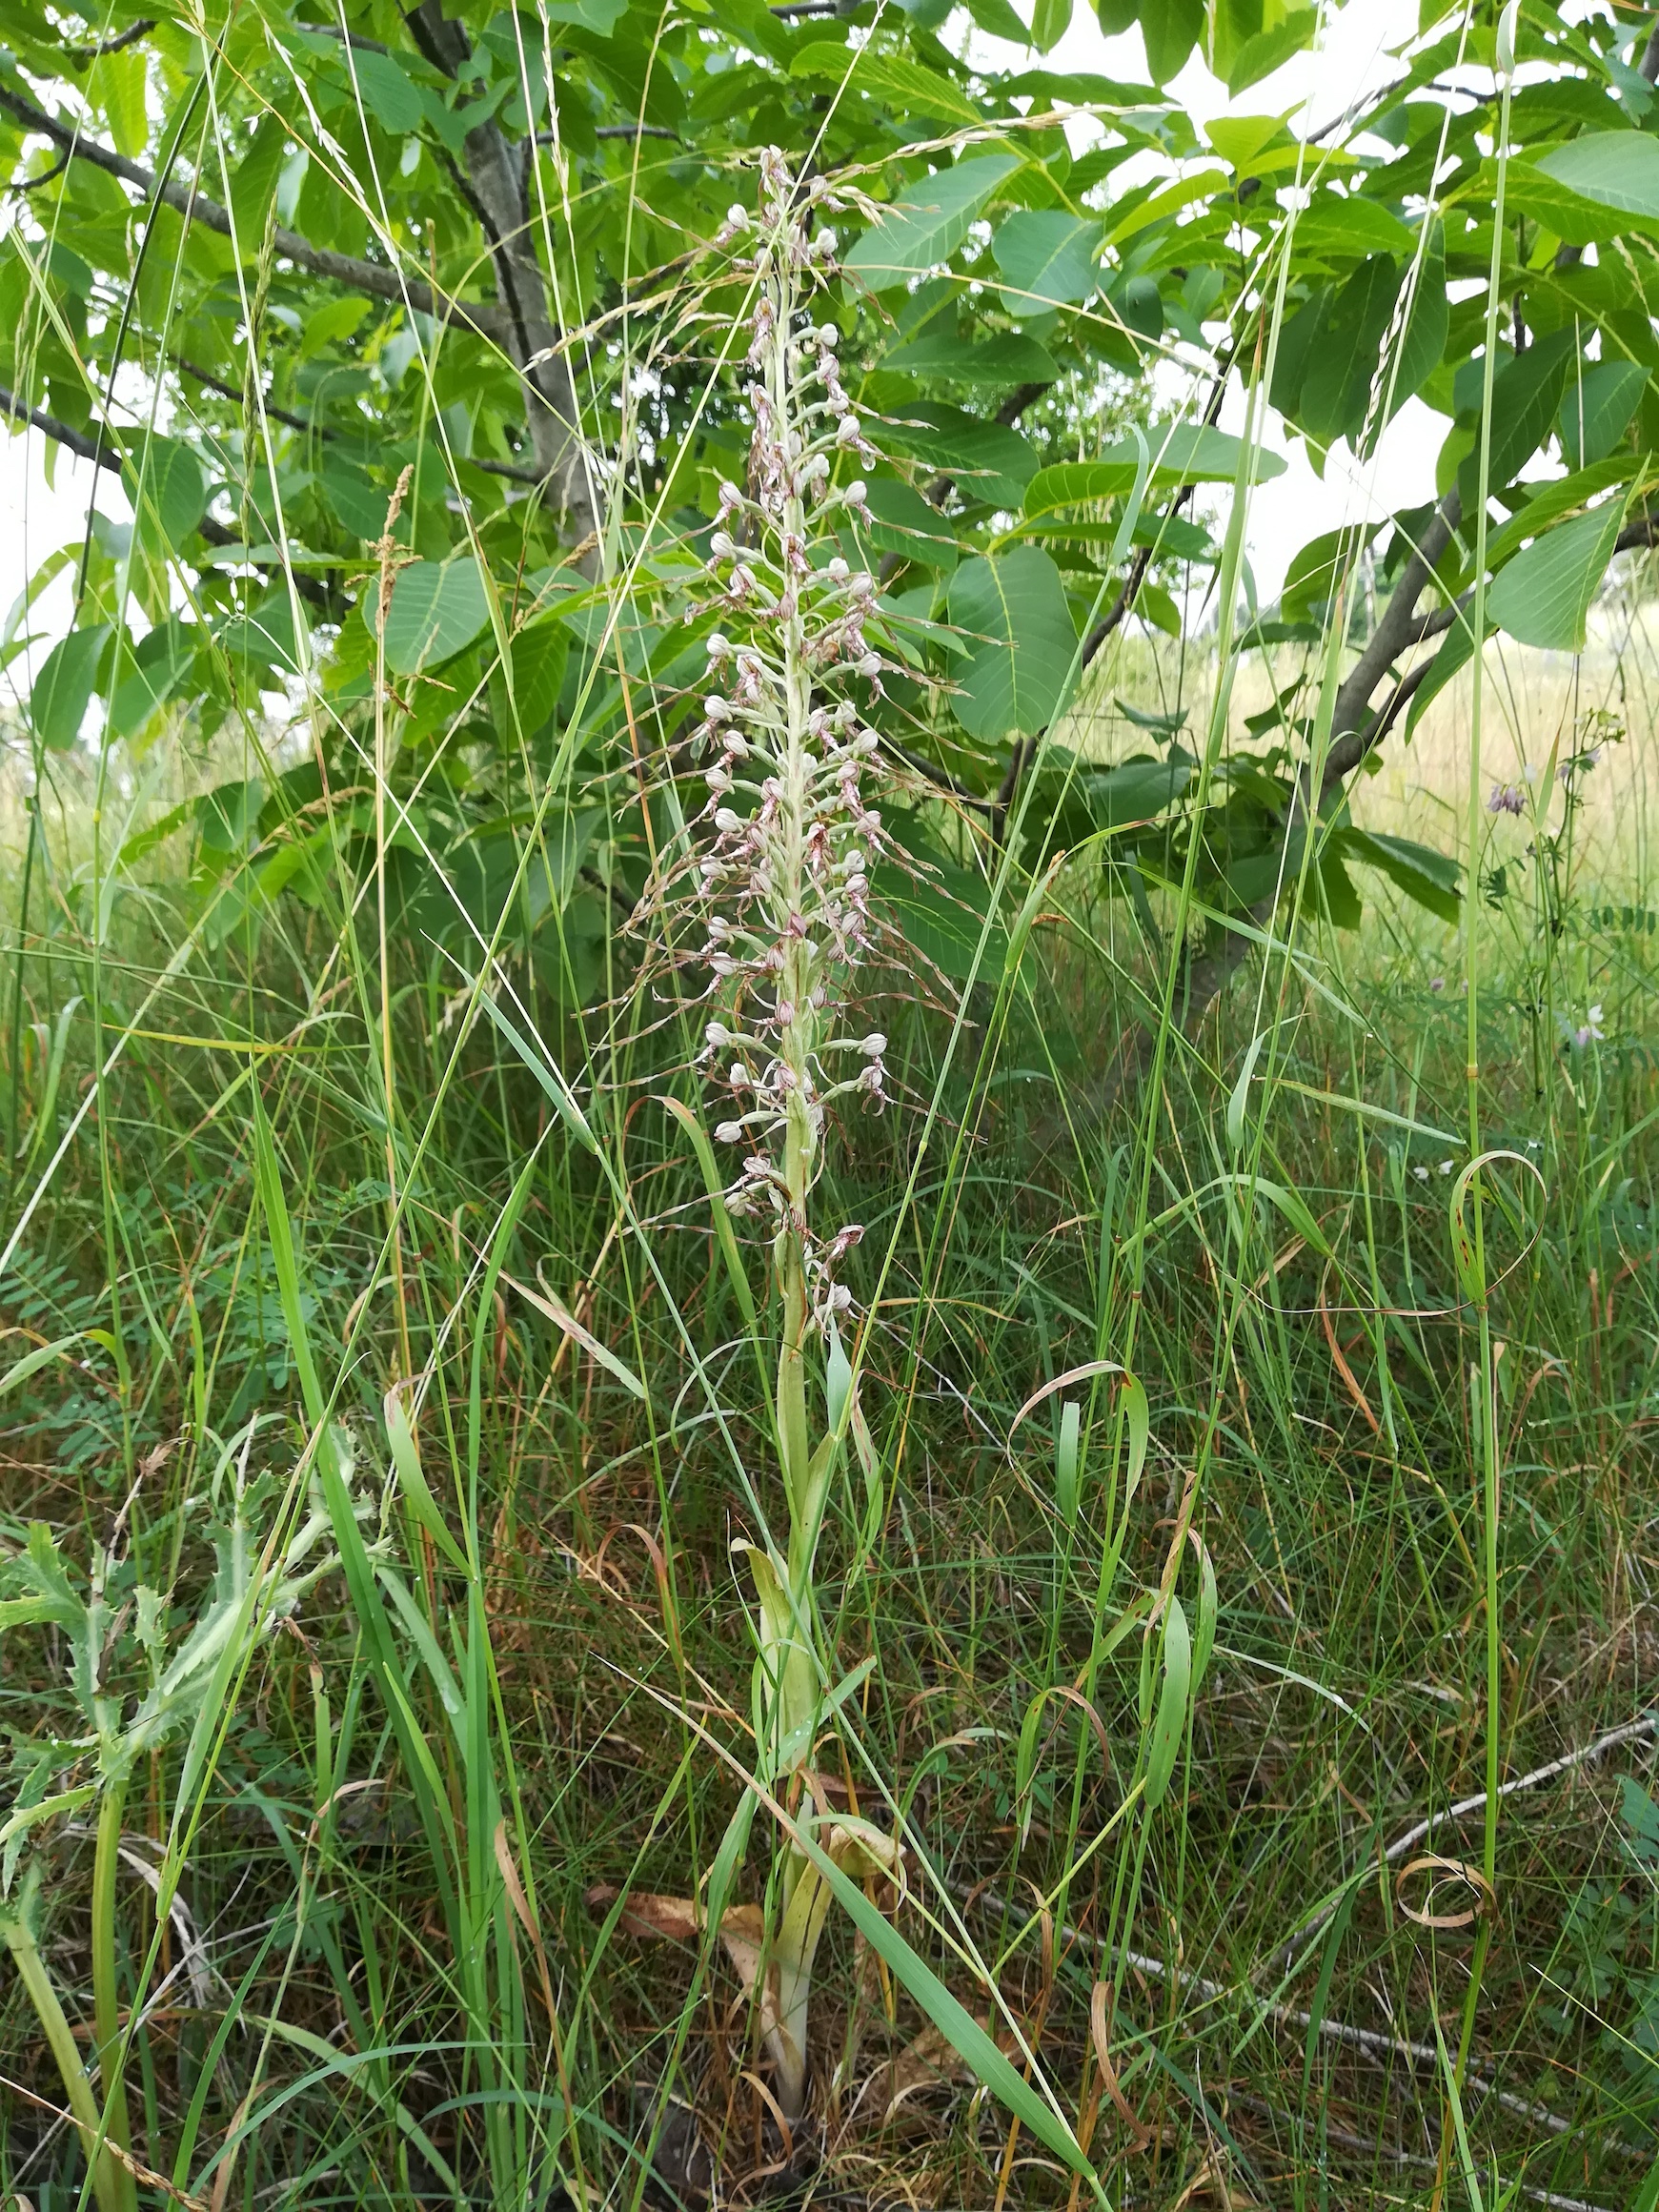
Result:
x=1445 y=1167
x=1421 y=1173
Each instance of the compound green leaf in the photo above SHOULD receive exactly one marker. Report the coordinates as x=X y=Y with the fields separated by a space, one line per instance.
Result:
x=1596 y=409
x=387 y=92
x=928 y=224
x=1526 y=394
x=120 y=84
x=63 y=690
x=1016 y=625
x=1429 y=878
x=1616 y=169
x=995 y=363
x=1185 y=453
x=438 y=608
x=1542 y=598
x=1171 y=29
x=904 y=522
x=1046 y=258
x=168 y=488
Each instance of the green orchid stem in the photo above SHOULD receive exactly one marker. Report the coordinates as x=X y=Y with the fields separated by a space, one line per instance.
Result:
x=111 y=2181
x=105 y=2005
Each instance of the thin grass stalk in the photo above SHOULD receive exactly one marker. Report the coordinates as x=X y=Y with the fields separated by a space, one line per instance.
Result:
x=1484 y=1379
x=112 y=2183
x=105 y=1996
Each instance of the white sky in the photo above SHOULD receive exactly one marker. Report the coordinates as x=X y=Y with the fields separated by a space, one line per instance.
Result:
x=1311 y=89
x=1284 y=514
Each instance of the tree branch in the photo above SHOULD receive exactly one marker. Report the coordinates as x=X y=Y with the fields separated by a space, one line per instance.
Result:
x=82 y=57
x=376 y=278
x=1120 y=607
x=498 y=187
x=939 y=488
x=104 y=455
x=1397 y=630
x=61 y=433
x=327 y=430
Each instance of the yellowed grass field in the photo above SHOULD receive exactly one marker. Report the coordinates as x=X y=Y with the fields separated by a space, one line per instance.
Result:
x=1533 y=701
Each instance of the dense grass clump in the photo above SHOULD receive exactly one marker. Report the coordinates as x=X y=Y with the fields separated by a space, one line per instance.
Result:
x=406 y=1823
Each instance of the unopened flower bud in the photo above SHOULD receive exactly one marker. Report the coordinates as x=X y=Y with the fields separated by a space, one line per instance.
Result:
x=874 y=1045
x=722 y=543
x=716 y=1036
x=729 y=1133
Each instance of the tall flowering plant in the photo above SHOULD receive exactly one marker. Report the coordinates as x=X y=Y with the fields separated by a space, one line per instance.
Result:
x=781 y=869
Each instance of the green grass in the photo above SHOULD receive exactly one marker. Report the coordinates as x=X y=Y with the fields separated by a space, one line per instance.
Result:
x=395 y=1968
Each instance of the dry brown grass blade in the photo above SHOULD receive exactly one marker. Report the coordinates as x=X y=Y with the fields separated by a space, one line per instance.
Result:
x=1100 y=2005
x=1350 y=1381
x=1431 y=1863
